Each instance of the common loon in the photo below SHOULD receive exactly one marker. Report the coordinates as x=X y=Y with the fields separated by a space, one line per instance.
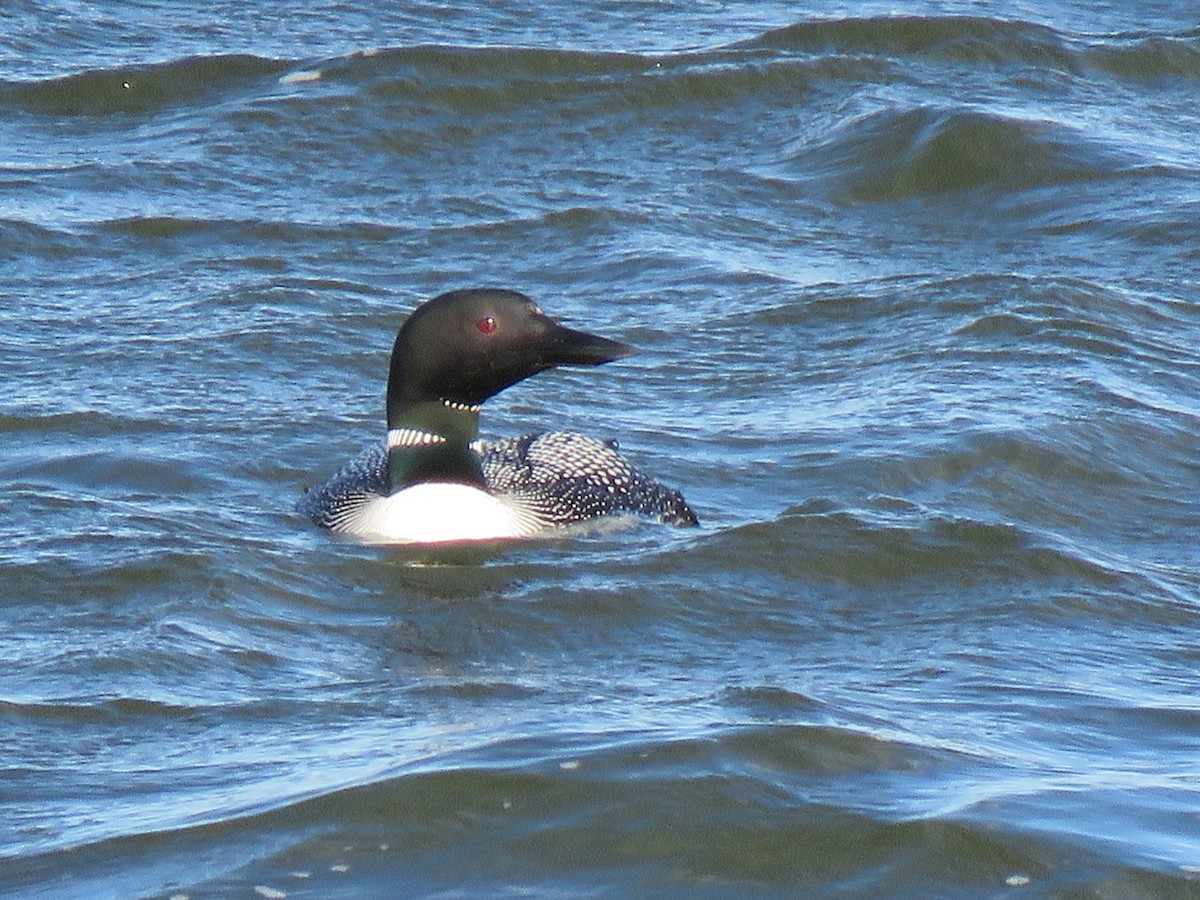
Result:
x=435 y=481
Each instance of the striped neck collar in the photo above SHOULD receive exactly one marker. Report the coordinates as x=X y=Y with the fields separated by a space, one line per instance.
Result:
x=412 y=437
x=432 y=441
x=460 y=407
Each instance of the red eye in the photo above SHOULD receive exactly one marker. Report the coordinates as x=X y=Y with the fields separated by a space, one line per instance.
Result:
x=487 y=324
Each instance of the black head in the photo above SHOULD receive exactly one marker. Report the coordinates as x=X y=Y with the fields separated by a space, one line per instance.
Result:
x=465 y=346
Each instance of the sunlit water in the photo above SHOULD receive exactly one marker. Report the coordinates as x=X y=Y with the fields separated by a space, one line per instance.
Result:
x=918 y=302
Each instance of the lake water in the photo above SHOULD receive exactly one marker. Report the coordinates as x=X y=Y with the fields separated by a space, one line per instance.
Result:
x=919 y=300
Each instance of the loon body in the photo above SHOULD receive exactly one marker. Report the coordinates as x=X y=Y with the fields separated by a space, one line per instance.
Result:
x=434 y=481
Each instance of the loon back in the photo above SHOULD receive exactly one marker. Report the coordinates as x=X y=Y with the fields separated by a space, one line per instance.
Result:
x=570 y=478
x=538 y=482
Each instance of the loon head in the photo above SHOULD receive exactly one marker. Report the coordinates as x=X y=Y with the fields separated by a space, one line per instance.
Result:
x=465 y=346
x=452 y=354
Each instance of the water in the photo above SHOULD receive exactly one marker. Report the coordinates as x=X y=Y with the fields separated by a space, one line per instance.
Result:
x=918 y=300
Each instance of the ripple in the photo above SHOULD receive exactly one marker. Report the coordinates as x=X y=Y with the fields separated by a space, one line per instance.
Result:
x=970 y=38
x=138 y=90
x=744 y=809
x=899 y=154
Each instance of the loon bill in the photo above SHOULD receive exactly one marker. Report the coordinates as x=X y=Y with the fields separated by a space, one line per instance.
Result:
x=434 y=481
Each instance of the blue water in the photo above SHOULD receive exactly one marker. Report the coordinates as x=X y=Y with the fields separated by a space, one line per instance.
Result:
x=918 y=301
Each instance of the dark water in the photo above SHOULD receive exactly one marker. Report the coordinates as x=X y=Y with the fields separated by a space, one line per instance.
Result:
x=920 y=309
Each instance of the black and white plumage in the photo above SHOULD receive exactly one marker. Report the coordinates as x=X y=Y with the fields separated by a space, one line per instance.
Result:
x=434 y=481
x=571 y=478
x=552 y=480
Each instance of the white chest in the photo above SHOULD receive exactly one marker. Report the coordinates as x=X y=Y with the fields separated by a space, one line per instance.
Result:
x=437 y=512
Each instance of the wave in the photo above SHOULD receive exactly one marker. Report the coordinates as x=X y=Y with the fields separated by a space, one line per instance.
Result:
x=140 y=470
x=784 y=61
x=994 y=42
x=749 y=809
x=84 y=422
x=139 y=89
x=893 y=541
x=1147 y=59
x=962 y=38
x=926 y=152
